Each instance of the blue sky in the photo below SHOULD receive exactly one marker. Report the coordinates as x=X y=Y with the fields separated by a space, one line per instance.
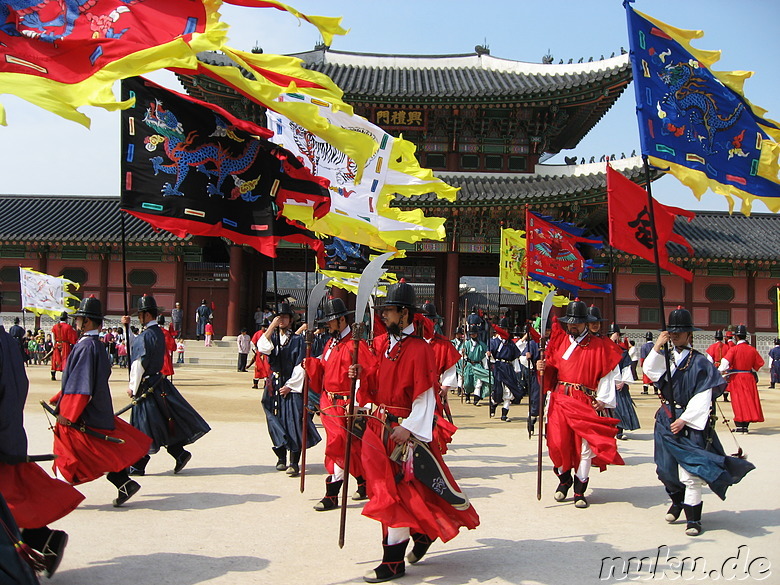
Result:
x=42 y=153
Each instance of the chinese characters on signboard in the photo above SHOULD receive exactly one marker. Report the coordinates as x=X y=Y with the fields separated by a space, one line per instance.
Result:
x=412 y=118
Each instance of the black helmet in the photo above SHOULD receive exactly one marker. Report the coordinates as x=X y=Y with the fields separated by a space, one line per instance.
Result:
x=577 y=312
x=518 y=331
x=680 y=320
x=460 y=330
x=777 y=341
x=595 y=313
x=474 y=329
x=741 y=331
x=399 y=295
x=90 y=307
x=284 y=308
x=429 y=310
x=161 y=320
x=719 y=335
x=147 y=304
x=334 y=308
x=614 y=328
x=649 y=336
x=64 y=316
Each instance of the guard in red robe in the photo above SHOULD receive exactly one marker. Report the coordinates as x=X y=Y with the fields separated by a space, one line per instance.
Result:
x=741 y=365
x=34 y=498
x=64 y=337
x=88 y=439
x=262 y=367
x=447 y=358
x=396 y=440
x=328 y=376
x=170 y=347
x=580 y=371
x=717 y=351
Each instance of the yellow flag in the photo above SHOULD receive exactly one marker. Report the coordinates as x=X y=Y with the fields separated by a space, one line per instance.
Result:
x=512 y=270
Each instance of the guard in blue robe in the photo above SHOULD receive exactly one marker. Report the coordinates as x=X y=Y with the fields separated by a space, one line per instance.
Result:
x=774 y=368
x=284 y=408
x=161 y=411
x=687 y=450
x=528 y=377
x=506 y=389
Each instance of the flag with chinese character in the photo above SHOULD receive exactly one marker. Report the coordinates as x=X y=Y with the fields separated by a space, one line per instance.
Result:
x=345 y=262
x=630 y=229
x=46 y=294
x=554 y=254
x=67 y=54
x=360 y=210
x=191 y=168
x=512 y=272
x=696 y=123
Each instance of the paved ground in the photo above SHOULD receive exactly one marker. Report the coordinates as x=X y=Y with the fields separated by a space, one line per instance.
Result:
x=231 y=519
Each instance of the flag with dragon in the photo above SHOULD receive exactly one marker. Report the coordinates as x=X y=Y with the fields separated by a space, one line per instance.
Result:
x=554 y=254
x=695 y=122
x=345 y=262
x=66 y=54
x=512 y=270
x=192 y=168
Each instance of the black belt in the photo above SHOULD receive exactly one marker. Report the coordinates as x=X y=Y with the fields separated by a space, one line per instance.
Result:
x=334 y=396
x=505 y=361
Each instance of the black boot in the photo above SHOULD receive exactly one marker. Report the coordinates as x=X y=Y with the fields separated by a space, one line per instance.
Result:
x=477 y=398
x=392 y=565
x=294 y=470
x=360 y=493
x=644 y=390
x=504 y=413
x=492 y=409
x=281 y=458
x=254 y=382
x=50 y=543
x=331 y=499
x=422 y=542
x=139 y=467
x=54 y=375
x=693 y=516
x=674 y=511
x=725 y=397
x=531 y=423
x=468 y=398
x=564 y=483
x=126 y=491
x=579 y=492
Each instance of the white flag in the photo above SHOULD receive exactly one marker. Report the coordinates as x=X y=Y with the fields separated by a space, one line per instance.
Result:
x=361 y=213
x=45 y=294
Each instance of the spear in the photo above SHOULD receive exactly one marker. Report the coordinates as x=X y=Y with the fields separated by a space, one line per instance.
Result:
x=371 y=275
x=546 y=306
x=316 y=295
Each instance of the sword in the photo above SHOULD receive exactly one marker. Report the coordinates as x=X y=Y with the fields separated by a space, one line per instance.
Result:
x=81 y=427
x=16 y=459
x=546 y=306
x=139 y=398
x=371 y=275
x=315 y=297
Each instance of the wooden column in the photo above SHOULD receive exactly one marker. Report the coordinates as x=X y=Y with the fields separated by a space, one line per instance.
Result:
x=451 y=296
x=234 y=290
x=751 y=300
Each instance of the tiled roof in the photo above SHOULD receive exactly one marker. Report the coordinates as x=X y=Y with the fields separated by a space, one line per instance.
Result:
x=73 y=219
x=548 y=182
x=469 y=76
x=716 y=234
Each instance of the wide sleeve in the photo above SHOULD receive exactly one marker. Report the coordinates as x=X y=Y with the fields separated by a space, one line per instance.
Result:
x=420 y=420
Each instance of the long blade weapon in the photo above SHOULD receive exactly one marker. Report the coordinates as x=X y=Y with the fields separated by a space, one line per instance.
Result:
x=371 y=275
x=546 y=306
x=315 y=297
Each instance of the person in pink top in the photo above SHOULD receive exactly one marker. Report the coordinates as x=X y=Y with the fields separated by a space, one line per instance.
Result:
x=209 y=334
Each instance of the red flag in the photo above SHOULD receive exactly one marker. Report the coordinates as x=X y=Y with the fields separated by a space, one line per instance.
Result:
x=629 y=223
x=554 y=256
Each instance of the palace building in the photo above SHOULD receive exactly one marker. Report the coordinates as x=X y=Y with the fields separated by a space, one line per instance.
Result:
x=484 y=124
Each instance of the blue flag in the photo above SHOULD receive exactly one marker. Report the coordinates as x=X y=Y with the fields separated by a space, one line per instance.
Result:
x=695 y=123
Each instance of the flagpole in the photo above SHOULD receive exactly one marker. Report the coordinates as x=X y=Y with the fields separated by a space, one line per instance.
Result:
x=651 y=207
x=124 y=288
x=613 y=278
